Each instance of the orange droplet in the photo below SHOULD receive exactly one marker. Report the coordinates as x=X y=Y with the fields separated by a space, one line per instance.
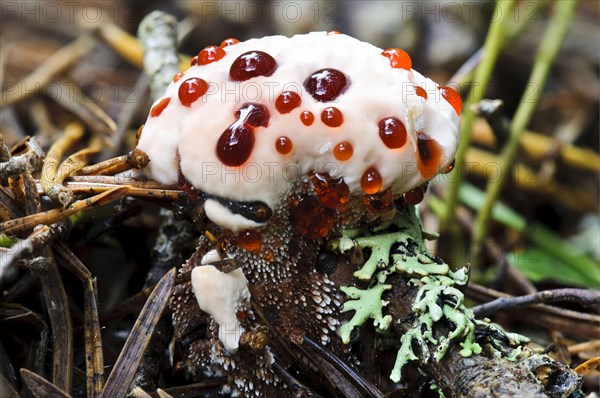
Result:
x=307 y=118
x=333 y=32
x=452 y=97
x=249 y=239
x=210 y=54
x=331 y=192
x=158 y=108
x=269 y=255
x=448 y=168
x=371 y=181
x=177 y=76
x=343 y=151
x=229 y=42
x=399 y=59
x=311 y=218
x=430 y=155
x=332 y=117
x=420 y=91
x=283 y=145
x=287 y=102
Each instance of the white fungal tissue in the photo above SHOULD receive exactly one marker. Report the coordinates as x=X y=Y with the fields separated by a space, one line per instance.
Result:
x=249 y=118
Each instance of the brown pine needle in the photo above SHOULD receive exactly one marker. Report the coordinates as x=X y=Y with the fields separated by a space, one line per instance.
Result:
x=41 y=387
x=56 y=64
x=588 y=366
x=51 y=179
x=124 y=369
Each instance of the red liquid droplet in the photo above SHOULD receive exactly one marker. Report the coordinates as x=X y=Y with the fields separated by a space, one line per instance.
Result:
x=249 y=240
x=380 y=201
x=254 y=115
x=252 y=64
x=229 y=42
x=311 y=218
x=332 y=117
x=325 y=84
x=283 y=145
x=331 y=192
x=371 y=181
x=392 y=132
x=430 y=154
x=398 y=58
x=240 y=315
x=235 y=144
x=177 y=76
x=414 y=196
x=343 y=151
x=452 y=97
x=287 y=102
x=420 y=91
x=307 y=118
x=192 y=89
x=210 y=54
x=158 y=108
x=194 y=61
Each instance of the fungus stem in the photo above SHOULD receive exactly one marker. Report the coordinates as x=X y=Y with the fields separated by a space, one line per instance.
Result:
x=557 y=27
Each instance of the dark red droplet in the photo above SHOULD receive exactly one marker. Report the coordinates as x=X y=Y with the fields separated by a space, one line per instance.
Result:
x=283 y=145
x=392 y=132
x=452 y=97
x=311 y=218
x=326 y=84
x=235 y=144
x=192 y=89
x=307 y=118
x=287 y=102
x=210 y=54
x=379 y=201
x=371 y=181
x=420 y=91
x=414 y=196
x=343 y=151
x=332 y=192
x=177 y=76
x=254 y=115
x=399 y=59
x=229 y=42
x=332 y=117
x=158 y=108
x=194 y=61
x=430 y=155
x=249 y=239
x=240 y=315
x=252 y=64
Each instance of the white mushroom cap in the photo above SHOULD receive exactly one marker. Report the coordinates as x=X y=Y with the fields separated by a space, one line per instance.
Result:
x=374 y=91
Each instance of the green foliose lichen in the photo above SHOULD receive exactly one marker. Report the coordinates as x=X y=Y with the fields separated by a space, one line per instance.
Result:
x=399 y=248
